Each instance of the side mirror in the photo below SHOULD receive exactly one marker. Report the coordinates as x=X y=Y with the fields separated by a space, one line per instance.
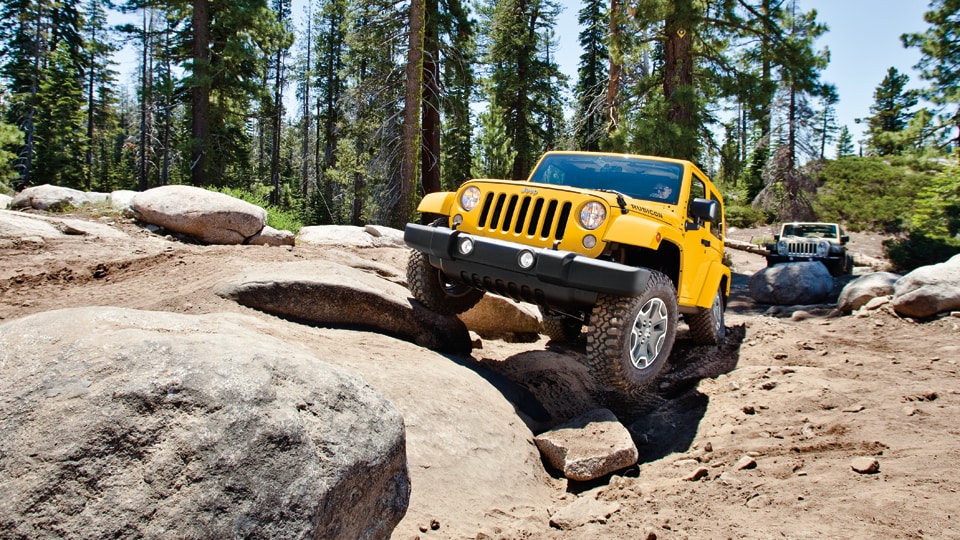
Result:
x=844 y=239
x=706 y=210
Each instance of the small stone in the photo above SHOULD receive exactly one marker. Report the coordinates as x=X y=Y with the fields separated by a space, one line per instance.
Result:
x=696 y=475
x=910 y=411
x=865 y=465
x=854 y=408
x=708 y=447
x=746 y=462
x=769 y=385
x=749 y=409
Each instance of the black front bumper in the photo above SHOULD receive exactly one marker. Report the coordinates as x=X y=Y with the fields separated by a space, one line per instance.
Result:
x=557 y=278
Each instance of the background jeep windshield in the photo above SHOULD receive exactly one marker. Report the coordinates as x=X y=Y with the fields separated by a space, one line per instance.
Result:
x=639 y=178
x=811 y=230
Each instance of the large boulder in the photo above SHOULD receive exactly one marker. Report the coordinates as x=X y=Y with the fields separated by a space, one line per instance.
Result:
x=5 y=201
x=498 y=317
x=327 y=293
x=929 y=290
x=20 y=225
x=47 y=197
x=791 y=284
x=117 y=422
x=122 y=199
x=858 y=292
x=588 y=446
x=208 y=216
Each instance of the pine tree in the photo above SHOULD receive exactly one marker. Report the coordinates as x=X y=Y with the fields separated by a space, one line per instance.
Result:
x=458 y=58
x=590 y=119
x=891 y=113
x=940 y=60
x=844 y=143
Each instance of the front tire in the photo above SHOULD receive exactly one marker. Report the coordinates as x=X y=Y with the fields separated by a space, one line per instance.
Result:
x=560 y=328
x=432 y=289
x=630 y=338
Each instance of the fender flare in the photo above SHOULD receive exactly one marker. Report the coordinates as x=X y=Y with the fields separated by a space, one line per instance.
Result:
x=632 y=231
x=716 y=274
x=437 y=203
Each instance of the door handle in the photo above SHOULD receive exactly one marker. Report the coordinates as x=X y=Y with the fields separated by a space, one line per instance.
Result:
x=705 y=242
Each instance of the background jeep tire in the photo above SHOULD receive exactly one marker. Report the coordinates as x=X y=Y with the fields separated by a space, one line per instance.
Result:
x=432 y=289
x=560 y=328
x=707 y=325
x=630 y=337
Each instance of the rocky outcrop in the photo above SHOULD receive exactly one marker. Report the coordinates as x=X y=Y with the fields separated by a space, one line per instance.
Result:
x=208 y=216
x=20 y=225
x=117 y=422
x=929 y=290
x=268 y=236
x=47 y=197
x=497 y=317
x=327 y=293
x=791 y=284
x=862 y=290
x=5 y=201
x=122 y=199
x=589 y=446
x=351 y=236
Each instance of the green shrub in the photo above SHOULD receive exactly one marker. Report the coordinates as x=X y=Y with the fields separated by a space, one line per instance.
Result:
x=916 y=250
x=278 y=218
x=743 y=217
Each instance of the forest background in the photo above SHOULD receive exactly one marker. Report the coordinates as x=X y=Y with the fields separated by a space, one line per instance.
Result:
x=352 y=116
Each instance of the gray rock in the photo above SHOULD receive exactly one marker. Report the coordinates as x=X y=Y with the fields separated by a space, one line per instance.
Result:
x=268 y=236
x=929 y=290
x=122 y=199
x=495 y=316
x=47 y=197
x=791 y=284
x=318 y=291
x=865 y=465
x=585 y=509
x=5 y=201
x=208 y=216
x=865 y=288
x=117 y=422
x=350 y=236
x=20 y=225
x=589 y=446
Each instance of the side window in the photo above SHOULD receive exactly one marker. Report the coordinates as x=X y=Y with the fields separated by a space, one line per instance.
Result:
x=698 y=190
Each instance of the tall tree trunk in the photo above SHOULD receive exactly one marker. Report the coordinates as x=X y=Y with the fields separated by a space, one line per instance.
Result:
x=305 y=144
x=410 y=137
x=200 y=93
x=142 y=168
x=91 y=77
x=616 y=66
x=277 y=120
x=430 y=152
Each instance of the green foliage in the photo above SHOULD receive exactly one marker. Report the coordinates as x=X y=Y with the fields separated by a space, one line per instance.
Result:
x=867 y=193
x=743 y=216
x=277 y=217
x=937 y=209
x=917 y=249
x=10 y=138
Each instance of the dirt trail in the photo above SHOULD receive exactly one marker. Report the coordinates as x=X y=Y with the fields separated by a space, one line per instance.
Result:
x=756 y=439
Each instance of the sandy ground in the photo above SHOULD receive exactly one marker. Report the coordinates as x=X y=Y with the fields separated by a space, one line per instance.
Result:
x=754 y=439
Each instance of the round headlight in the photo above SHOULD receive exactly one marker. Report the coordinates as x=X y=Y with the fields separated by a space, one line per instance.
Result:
x=592 y=215
x=782 y=247
x=823 y=248
x=470 y=198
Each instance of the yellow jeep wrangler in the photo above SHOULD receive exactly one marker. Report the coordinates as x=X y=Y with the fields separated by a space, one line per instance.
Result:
x=615 y=246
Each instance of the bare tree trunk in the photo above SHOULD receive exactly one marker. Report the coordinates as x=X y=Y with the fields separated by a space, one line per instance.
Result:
x=142 y=181
x=430 y=156
x=277 y=120
x=200 y=92
x=413 y=98
x=305 y=144
x=616 y=67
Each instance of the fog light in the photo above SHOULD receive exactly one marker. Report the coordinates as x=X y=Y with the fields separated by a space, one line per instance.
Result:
x=526 y=259
x=589 y=241
x=465 y=245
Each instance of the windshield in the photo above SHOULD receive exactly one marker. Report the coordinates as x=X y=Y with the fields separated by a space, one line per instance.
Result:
x=635 y=177
x=811 y=230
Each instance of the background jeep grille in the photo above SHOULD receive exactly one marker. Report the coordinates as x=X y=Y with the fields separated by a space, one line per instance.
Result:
x=528 y=215
x=801 y=248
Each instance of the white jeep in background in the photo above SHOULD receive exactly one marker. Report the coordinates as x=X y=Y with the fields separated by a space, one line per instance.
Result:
x=812 y=241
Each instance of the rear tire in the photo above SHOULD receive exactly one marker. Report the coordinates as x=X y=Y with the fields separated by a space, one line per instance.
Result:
x=707 y=325
x=435 y=291
x=630 y=338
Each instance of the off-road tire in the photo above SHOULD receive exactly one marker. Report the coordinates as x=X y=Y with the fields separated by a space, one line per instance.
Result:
x=627 y=328
x=707 y=325
x=432 y=289
x=560 y=328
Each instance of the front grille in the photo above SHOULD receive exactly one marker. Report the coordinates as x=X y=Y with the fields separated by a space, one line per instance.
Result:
x=524 y=215
x=801 y=248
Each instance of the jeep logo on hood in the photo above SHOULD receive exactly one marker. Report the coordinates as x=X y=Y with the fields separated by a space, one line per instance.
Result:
x=531 y=191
